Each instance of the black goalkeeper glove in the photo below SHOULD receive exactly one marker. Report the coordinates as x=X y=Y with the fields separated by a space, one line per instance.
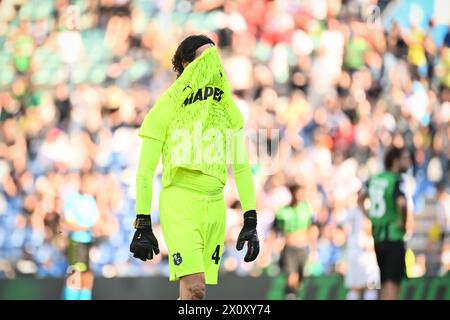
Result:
x=249 y=234
x=144 y=242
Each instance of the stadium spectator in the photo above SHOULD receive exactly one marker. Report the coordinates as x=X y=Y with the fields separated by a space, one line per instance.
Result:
x=294 y=222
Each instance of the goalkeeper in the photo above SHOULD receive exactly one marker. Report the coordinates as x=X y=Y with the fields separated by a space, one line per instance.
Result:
x=197 y=128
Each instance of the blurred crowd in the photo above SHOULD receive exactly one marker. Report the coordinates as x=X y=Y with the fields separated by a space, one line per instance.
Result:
x=331 y=88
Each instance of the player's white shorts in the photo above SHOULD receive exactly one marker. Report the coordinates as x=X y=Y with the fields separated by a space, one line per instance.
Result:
x=362 y=269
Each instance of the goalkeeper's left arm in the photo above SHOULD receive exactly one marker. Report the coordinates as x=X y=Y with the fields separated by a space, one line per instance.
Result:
x=246 y=190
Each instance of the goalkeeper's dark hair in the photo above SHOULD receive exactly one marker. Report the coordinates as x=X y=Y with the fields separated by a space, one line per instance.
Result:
x=186 y=51
x=391 y=155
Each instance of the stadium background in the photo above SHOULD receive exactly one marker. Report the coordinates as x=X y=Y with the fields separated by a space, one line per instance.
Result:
x=339 y=81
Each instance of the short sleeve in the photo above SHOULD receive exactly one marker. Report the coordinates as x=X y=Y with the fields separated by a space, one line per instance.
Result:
x=157 y=120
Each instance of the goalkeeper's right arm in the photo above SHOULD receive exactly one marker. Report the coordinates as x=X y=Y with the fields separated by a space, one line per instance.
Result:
x=144 y=242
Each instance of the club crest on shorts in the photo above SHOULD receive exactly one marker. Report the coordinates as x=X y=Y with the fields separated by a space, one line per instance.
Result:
x=177 y=259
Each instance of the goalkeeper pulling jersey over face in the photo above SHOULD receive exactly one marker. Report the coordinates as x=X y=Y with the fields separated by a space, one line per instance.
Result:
x=197 y=128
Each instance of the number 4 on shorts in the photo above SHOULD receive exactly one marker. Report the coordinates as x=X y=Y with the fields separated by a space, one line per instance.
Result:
x=215 y=255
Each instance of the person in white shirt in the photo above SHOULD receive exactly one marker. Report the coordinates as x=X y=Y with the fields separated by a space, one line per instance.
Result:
x=362 y=276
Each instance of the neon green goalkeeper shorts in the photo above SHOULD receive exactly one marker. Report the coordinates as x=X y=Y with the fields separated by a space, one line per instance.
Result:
x=193 y=225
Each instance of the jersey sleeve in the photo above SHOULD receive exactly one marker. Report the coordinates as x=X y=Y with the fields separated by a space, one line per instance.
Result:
x=243 y=175
x=157 y=120
x=148 y=160
x=241 y=167
x=237 y=120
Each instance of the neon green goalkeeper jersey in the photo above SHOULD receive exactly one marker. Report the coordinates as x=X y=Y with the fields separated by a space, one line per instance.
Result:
x=197 y=127
x=196 y=118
